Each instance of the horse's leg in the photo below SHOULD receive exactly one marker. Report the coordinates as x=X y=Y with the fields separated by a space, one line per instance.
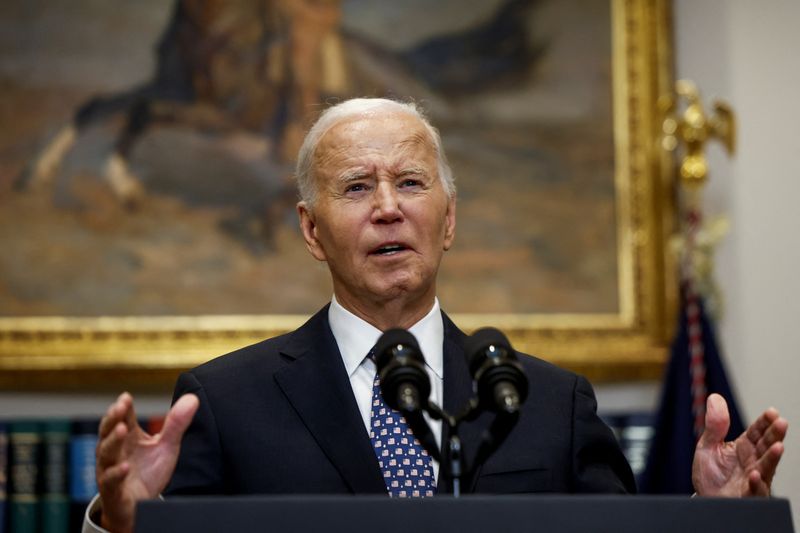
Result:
x=125 y=185
x=41 y=171
x=123 y=182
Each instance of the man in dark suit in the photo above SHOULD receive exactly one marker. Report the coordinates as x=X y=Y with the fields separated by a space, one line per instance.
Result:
x=318 y=443
x=295 y=414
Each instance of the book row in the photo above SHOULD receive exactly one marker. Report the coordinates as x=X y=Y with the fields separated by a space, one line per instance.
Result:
x=47 y=473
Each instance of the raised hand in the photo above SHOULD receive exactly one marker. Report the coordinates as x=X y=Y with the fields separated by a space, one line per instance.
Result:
x=133 y=465
x=743 y=467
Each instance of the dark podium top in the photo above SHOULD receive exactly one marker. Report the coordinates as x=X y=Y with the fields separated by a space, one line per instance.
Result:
x=356 y=514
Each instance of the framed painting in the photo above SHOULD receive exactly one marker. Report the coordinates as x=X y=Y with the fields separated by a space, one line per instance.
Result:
x=147 y=205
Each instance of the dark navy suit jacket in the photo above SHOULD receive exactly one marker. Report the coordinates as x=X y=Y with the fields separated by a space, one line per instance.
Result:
x=279 y=417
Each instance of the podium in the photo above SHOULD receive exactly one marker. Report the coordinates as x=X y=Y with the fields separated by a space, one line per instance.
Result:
x=528 y=513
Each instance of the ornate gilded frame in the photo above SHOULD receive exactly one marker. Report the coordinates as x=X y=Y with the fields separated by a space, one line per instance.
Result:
x=147 y=352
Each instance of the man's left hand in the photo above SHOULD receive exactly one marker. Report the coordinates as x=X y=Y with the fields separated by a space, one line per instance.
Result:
x=743 y=467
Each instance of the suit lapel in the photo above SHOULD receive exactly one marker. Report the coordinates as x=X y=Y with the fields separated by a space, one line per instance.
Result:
x=317 y=385
x=457 y=392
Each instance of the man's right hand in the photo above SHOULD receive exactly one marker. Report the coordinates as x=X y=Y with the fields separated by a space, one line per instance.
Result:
x=133 y=465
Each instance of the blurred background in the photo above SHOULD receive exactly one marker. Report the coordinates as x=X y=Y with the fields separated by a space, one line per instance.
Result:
x=741 y=51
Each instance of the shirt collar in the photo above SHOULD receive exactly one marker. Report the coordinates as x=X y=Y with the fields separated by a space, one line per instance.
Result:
x=356 y=337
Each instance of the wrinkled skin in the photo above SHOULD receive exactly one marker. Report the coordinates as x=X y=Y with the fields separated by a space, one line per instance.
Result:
x=132 y=465
x=743 y=467
x=378 y=185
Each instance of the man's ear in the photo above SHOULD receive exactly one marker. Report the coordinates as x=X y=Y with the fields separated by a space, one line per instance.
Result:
x=309 y=228
x=450 y=223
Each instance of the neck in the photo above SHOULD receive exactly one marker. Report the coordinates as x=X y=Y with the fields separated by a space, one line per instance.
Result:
x=387 y=314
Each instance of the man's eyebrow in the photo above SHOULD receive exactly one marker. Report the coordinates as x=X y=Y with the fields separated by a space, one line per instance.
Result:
x=354 y=176
x=411 y=170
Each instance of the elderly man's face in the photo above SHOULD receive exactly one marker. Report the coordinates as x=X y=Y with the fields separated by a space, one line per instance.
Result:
x=382 y=218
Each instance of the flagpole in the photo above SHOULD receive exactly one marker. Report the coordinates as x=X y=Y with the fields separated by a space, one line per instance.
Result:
x=695 y=368
x=692 y=130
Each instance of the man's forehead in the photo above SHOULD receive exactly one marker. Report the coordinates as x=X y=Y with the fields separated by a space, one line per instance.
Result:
x=377 y=127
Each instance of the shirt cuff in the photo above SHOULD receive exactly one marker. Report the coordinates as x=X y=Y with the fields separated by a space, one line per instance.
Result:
x=92 y=516
x=93 y=510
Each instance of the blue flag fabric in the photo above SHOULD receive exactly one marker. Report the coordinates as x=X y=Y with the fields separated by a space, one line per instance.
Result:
x=669 y=463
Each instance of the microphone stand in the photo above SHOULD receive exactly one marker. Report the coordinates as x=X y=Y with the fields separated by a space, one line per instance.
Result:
x=401 y=363
x=452 y=464
x=452 y=460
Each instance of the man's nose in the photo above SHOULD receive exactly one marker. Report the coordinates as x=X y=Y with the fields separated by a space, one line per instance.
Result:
x=386 y=206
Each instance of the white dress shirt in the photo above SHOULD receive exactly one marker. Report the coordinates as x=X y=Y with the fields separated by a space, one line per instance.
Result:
x=356 y=338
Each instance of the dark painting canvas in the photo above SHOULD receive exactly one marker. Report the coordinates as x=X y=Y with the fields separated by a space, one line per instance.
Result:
x=146 y=149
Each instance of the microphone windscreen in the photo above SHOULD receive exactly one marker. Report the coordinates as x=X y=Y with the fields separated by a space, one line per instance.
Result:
x=479 y=342
x=391 y=338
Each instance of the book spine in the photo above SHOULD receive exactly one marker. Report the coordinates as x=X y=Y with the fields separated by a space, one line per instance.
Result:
x=82 y=483
x=54 y=503
x=23 y=498
x=636 y=438
x=3 y=474
x=155 y=424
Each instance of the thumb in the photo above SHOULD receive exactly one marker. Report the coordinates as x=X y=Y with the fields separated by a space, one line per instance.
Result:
x=717 y=421
x=178 y=418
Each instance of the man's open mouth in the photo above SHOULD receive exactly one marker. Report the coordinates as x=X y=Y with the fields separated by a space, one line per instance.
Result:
x=389 y=249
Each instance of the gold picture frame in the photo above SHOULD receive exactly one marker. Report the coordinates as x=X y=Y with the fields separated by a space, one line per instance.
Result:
x=70 y=353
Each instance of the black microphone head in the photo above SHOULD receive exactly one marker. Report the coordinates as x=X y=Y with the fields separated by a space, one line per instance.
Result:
x=396 y=342
x=501 y=382
x=401 y=367
x=487 y=343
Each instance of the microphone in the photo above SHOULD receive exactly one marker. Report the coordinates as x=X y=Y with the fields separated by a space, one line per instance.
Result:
x=401 y=367
x=502 y=384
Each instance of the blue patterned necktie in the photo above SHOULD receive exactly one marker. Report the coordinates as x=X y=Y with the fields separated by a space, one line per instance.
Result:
x=404 y=462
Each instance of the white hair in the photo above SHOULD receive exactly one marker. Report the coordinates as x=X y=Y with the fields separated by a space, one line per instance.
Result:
x=306 y=180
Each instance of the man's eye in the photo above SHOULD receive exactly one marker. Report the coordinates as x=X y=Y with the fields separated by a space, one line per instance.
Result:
x=356 y=187
x=410 y=182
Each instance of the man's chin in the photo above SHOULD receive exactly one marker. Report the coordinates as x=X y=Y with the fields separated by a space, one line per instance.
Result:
x=410 y=288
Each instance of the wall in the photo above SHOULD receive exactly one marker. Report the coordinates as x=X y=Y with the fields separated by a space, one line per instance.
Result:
x=746 y=53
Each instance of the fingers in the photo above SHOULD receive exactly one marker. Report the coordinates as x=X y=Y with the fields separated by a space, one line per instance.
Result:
x=118 y=423
x=756 y=485
x=118 y=510
x=763 y=439
x=119 y=411
x=109 y=482
x=109 y=449
x=766 y=434
x=768 y=463
x=717 y=422
x=112 y=417
x=762 y=423
x=178 y=418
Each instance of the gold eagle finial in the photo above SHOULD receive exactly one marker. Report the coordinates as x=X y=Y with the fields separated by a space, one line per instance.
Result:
x=694 y=128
